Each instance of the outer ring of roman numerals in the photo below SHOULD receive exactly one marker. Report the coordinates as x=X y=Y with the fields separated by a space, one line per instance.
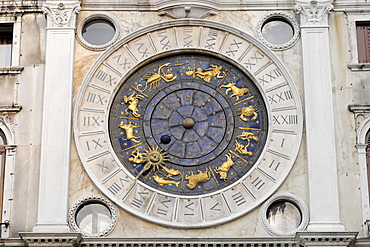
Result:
x=96 y=93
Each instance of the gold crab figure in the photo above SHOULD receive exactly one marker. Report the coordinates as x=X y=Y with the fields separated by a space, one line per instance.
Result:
x=133 y=102
x=153 y=79
x=247 y=112
x=154 y=159
x=236 y=92
x=246 y=136
x=207 y=74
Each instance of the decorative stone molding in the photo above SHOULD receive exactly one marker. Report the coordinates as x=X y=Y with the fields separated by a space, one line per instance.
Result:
x=289 y=18
x=50 y=239
x=92 y=198
x=177 y=12
x=289 y=198
x=62 y=14
x=98 y=16
x=314 y=13
x=325 y=238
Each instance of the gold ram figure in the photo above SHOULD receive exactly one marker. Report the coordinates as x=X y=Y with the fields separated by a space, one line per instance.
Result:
x=225 y=167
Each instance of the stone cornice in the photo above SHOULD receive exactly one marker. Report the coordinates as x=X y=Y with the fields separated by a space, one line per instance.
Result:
x=50 y=239
x=61 y=14
x=314 y=13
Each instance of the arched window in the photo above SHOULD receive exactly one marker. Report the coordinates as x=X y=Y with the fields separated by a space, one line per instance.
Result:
x=367 y=140
x=2 y=169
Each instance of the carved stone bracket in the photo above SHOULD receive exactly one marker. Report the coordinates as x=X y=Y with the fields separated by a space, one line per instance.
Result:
x=62 y=14
x=314 y=13
x=361 y=112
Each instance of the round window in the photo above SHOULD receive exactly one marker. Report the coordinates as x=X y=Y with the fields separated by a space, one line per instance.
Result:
x=98 y=32
x=283 y=216
x=277 y=31
x=93 y=216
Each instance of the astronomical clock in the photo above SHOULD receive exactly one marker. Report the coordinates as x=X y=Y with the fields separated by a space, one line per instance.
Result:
x=188 y=125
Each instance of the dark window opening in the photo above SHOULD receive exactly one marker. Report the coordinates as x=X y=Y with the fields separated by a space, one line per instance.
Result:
x=6 y=40
x=363 y=41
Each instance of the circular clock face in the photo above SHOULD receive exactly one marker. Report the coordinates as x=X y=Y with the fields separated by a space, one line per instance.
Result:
x=188 y=125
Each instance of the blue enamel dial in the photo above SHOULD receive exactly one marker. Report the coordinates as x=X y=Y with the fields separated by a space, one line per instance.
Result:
x=188 y=124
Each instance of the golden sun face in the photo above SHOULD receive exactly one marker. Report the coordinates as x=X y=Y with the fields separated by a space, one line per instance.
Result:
x=155 y=158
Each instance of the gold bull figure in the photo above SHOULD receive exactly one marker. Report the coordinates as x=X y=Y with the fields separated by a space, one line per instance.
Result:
x=195 y=179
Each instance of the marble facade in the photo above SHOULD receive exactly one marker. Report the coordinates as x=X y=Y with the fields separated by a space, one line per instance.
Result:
x=45 y=175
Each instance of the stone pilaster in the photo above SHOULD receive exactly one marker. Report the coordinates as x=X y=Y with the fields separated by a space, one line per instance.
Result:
x=319 y=116
x=57 y=111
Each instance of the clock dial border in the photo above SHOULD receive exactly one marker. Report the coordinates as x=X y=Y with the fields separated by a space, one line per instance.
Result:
x=120 y=60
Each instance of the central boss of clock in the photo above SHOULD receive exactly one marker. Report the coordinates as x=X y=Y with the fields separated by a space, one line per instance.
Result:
x=188 y=124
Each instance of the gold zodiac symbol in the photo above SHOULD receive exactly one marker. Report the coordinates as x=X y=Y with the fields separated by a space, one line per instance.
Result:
x=129 y=128
x=162 y=181
x=207 y=74
x=170 y=172
x=154 y=79
x=154 y=159
x=225 y=167
x=247 y=112
x=237 y=92
x=195 y=179
x=133 y=102
x=138 y=157
x=246 y=136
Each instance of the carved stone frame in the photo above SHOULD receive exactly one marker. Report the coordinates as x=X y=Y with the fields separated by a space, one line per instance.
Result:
x=98 y=16
x=287 y=17
x=298 y=202
x=91 y=199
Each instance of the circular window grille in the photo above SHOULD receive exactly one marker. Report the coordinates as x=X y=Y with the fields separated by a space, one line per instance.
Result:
x=278 y=30
x=93 y=216
x=284 y=214
x=97 y=31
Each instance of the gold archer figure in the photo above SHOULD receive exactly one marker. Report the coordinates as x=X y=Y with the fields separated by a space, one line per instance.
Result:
x=133 y=102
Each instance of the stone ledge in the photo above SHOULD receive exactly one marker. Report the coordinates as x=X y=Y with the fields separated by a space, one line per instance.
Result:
x=359 y=66
x=14 y=108
x=11 y=70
